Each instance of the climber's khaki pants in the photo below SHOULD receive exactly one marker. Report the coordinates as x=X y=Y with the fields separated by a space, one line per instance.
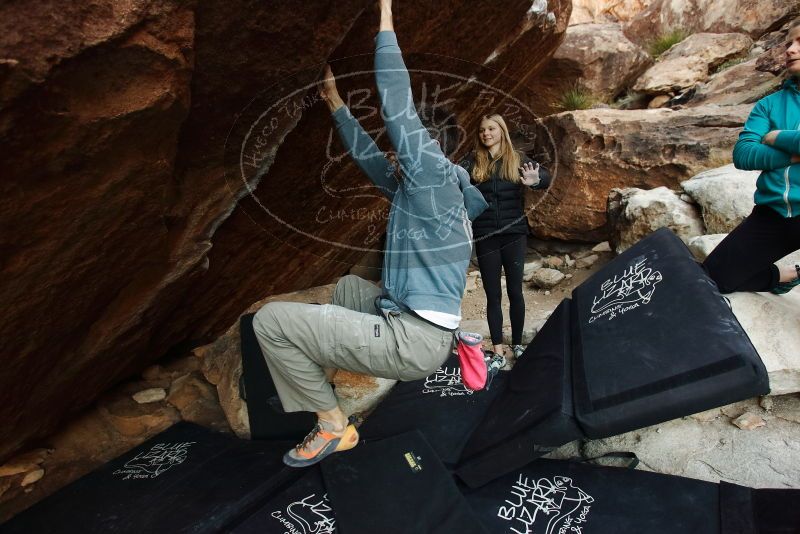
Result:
x=300 y=340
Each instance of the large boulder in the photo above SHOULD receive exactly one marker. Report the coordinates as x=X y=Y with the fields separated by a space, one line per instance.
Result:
x=773 y=324
x=753 y=17
x=739 y=84
x=708 y=446
x=103 y=105
x=603 y=149
x=635 y=213
x=598 y=57
x=750 y=80
x=724 y=194
x=691 y=61
x=127 y=226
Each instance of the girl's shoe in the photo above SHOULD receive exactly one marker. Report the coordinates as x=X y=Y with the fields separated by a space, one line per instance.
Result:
x=494 y=362
x=518 y=351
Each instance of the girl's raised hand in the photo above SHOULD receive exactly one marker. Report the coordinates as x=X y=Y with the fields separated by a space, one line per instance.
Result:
x=530 y=174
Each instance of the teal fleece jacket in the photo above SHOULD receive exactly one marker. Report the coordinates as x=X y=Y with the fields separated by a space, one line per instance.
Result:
x=429 y=231
x=778 y=185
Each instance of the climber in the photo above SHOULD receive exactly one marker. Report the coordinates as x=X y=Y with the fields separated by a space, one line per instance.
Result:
x=404 y=330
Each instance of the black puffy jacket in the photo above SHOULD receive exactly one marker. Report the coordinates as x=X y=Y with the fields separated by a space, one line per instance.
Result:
x=506 y=200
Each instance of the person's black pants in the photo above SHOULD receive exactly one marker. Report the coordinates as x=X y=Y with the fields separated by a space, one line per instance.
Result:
x=506 y=252
x=745 y=260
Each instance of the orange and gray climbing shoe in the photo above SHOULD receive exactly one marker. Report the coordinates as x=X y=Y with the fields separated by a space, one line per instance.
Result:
x=319 y=444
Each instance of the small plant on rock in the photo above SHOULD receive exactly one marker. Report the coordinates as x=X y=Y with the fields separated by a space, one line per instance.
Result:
x=665 y=41
x=576 y=97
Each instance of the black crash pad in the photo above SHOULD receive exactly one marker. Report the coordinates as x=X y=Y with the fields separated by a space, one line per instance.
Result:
x=301 y=508
x=654 y=340
x=396 y=486
x=533 y=414
x=186 y=479
x=267 y=419
x=439 y=406
x=550 y=496
x=646 y=339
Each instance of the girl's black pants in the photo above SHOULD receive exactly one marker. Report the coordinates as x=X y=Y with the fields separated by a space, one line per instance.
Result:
x=506 y=251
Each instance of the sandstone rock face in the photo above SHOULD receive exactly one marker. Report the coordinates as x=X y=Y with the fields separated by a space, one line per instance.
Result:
x=725 y=196
x=754 y=17
x=92 y=101
x=691 y=61
x=739 y=84
x=119 y=203
x=609 y=61
x=197 y=401
x=635 y=213
x=597 y=57
x=712 y=448
x=599 y=150
x=773 y=324
x=600 y=11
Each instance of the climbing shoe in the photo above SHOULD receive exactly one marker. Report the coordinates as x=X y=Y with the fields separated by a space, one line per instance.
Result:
x=319 y=444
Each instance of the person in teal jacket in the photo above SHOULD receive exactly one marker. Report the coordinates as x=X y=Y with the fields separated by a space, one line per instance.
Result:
x=405 y=329
x=770 y=143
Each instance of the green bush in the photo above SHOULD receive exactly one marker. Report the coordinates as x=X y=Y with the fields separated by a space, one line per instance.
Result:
x=665 y=41
x=576 y=97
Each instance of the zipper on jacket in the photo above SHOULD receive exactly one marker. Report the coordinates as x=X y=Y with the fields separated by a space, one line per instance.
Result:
x=786 y=182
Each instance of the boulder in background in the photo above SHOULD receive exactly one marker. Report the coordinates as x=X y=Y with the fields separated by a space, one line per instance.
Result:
x=691 y=61
x=635 y=213
x=603 y=149
x=753 y=17
x=725 y=196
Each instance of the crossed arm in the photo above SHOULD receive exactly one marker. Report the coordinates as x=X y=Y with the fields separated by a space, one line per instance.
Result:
x=760 y=148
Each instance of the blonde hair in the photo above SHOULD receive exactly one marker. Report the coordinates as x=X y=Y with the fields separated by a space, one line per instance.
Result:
x=507 y=157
